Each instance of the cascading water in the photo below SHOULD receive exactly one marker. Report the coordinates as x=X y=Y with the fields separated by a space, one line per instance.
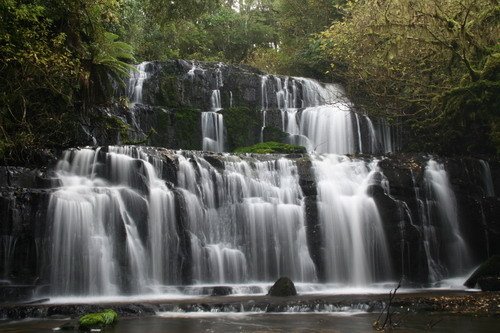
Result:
x=6 y=245
x=114 y=225
x=445 y=246
x=129 y=220
x=247 y=223
x=354 y=240
x=322 y=119
x=212 y=130
x=328 y=129
x=136 y=82
x=97 y=221
x=487 y=179
x=212 y=122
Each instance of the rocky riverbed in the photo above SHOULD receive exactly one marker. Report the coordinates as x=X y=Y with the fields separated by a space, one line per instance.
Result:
x=440 y=311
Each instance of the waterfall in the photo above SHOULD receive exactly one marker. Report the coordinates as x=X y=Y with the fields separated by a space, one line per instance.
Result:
x=442 y=234
x=122 y=221
x=137 y=220
x=212 y=130
x=114 y=226
x=487 y=179
x=212 y=122
x=328 y=129
x=264 y=103
x=321 y=118
x=247 y=224
x=355 y=249
x=7 y=244
x=97 y=217
x=136 y=82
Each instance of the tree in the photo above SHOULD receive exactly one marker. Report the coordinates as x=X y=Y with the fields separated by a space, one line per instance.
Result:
x=54 y=58
x=422 y=61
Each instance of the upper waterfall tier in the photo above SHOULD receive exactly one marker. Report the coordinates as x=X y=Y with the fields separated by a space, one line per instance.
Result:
x=212 y=106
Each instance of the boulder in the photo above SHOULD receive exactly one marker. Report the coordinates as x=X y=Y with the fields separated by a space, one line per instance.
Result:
x=490 y=268
x=221 y=291
x=283 y=287
x=97 y=320
x=489 y=283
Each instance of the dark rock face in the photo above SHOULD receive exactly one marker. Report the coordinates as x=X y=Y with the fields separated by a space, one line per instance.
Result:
x=401 y=212
x=174 y=95
x=284 y=287
x=221 y=291
x=22 y=233
x=490 y=268
x=490 y=283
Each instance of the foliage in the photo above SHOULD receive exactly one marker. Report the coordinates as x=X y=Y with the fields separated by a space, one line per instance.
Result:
x=432 y=64
x=98 y=320
x=57 y=58
x=425 y=62
x=271 y=148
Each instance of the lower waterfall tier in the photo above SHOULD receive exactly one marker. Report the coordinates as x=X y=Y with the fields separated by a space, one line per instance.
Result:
x=129 y=220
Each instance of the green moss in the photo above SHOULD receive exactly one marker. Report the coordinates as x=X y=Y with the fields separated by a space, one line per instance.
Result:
x=187 y=126
x=271 y=148
x=98 y=320
x=242 y=126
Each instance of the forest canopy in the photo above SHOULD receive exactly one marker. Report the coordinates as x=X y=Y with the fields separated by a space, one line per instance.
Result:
x=431 y=66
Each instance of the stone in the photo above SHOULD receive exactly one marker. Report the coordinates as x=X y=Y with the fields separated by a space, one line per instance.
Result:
x=489 y=268
x=221 y=291
x=489 y=283
x=97 y=320
x=284 y=287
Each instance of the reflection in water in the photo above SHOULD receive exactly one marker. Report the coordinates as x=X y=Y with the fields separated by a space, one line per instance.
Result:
x=299 y=322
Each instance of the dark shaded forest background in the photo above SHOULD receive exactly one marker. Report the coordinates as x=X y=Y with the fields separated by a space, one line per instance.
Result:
x=432 y=66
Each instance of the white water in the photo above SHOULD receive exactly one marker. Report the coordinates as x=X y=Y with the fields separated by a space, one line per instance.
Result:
x=96 y=224
x=354 y=240
x=487 y=179
x=136 y=82
x=321 y=118
x=113 y=217
x=260 y=207
x=328 y=129
x=443 y=238
x=212 y=122
x=212 y=131
x=117 y=227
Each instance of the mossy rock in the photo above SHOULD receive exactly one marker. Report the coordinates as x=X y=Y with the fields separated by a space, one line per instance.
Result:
x=274 y=134
x=243 y=126
x=490 y=283
x=271 y=148
x=490 y=268
x=98 y=320
x=187 y=124
x=282 y=288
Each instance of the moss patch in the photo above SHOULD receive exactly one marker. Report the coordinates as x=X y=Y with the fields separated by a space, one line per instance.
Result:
x=271 y=148
x=98 y=320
